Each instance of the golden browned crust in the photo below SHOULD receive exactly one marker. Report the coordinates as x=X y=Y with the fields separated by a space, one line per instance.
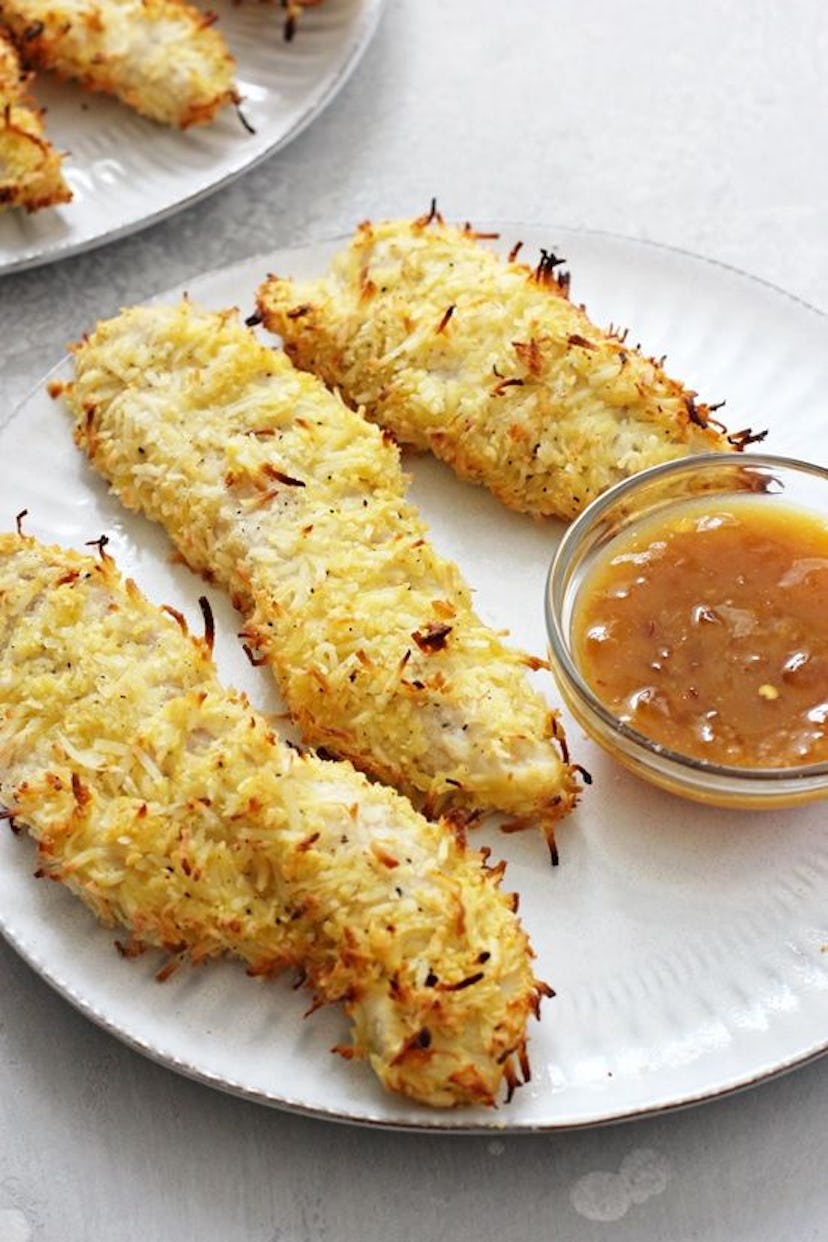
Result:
x=486 y=362
x=168 y=805
x=30 y=167
x=272 y=487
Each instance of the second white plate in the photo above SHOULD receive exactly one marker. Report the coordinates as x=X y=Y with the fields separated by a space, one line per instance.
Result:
x=126 y=172
x=688 y=947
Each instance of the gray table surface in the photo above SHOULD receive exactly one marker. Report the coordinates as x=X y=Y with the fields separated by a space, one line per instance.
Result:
x=699 y=123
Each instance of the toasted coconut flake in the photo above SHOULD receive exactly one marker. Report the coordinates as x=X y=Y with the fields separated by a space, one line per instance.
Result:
x=31 y=173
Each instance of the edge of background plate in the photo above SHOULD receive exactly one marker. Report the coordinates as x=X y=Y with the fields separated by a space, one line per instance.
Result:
x=363 y=32
x=449 y=1123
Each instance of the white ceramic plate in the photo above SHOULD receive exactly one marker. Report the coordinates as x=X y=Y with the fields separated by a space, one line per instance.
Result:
x=127 y=172
x=688 y=947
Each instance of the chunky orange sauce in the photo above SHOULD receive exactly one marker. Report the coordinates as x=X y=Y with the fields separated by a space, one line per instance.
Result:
x=706 y=629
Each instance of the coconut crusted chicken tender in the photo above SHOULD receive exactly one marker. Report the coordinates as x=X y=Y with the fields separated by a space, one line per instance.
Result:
x=170 y=808
x=269 y=485
x=487 y=363
x=30 y=167
x=161 y=57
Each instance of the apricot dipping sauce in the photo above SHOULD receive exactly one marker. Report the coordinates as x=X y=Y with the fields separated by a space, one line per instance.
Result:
x=706 y=629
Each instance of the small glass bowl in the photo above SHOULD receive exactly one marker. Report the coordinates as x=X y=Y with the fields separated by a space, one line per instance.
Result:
x=620 y=509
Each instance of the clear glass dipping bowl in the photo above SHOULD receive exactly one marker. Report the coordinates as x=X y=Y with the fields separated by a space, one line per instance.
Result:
x=777 y=480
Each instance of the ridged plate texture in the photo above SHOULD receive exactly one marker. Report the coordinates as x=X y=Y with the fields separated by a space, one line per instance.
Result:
x=688 y=947
x=127 y=172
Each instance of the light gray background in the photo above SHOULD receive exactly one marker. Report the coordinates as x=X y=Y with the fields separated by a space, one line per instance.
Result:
x=698 y=123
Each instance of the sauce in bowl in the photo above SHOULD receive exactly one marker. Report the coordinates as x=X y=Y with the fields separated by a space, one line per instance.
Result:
x=705 y=628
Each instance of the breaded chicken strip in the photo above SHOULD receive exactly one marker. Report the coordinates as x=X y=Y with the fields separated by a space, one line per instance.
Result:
x=269 y=485
x=487 y=363
x=170 y=808
x=30 y=167
x=161 y=57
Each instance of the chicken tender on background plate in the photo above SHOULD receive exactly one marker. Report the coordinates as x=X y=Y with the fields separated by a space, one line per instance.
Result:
x=163 y=58
x=269 y=485
x=30 y=168
x=170 y=808
x=487 y=363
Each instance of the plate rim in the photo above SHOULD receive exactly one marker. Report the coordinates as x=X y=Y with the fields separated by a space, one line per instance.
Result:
x=452 y=1123
x=176 y=1064
x=364 y=29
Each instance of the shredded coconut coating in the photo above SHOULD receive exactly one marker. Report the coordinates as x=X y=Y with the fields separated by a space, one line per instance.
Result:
x=161 y=57
x=487 y=363
x=30 y=167
x=270 y=486
x=169 y=806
